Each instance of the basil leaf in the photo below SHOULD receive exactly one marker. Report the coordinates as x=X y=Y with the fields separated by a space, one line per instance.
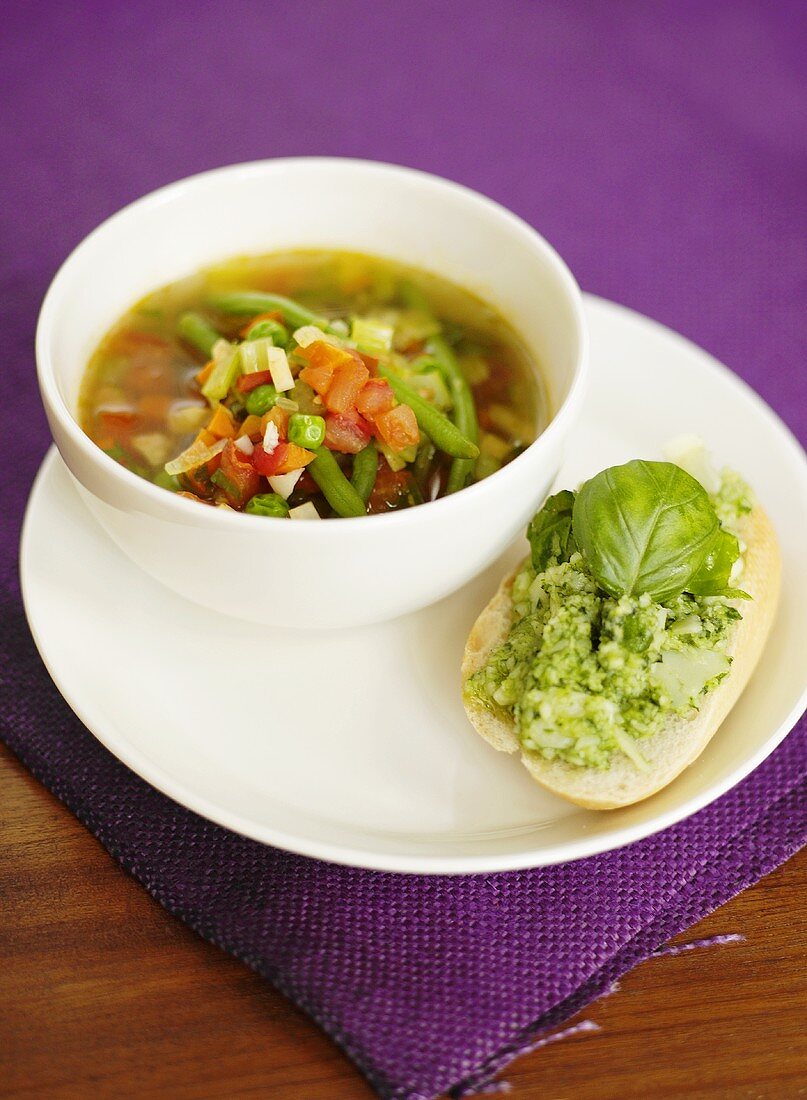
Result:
x=646 y=527
x=712 y=578
x=550 y=532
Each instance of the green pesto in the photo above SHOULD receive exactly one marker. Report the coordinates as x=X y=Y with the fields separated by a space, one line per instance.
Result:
x=585 y=675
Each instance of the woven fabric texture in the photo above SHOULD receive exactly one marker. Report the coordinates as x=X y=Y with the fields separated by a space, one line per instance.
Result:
x=662 y=149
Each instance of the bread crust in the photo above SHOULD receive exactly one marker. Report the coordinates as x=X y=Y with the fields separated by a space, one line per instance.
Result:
x=683 y=738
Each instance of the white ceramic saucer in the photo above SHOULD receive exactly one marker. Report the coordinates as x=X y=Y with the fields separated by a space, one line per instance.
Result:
x=353 y=746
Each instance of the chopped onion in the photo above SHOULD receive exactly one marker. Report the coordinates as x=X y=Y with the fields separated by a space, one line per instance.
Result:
x=304 y=511
x=283 y=484
x=245 y=445
x=279 y=367
x=287 y=404
x=194 y=456
x=271 y=437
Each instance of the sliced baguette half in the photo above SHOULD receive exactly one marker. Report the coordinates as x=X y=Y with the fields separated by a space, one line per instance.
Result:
x=683 y=738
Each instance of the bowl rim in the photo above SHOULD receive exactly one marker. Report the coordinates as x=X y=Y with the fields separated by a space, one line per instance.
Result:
x=561 y=419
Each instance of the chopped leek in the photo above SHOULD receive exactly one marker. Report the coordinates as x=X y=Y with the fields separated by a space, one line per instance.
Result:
x=227 y=358
x=431 y=385
x=396 y=460
x=370 y=336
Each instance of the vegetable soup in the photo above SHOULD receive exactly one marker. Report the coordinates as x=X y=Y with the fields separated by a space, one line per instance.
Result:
x=312 y=385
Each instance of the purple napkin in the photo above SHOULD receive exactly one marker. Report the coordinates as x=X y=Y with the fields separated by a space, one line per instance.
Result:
x=663 y=149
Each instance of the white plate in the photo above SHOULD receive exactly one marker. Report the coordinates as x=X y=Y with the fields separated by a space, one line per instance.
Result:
x=354 y=746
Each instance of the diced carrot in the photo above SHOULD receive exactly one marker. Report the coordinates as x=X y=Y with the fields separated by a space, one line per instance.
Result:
x=205 y=437
x=322 y=354
x=155 y=406
x=318 y=378
x=398 y=428
x=348 y=379
x=203 y=374
x=222 y=425
x=375 y=398
x=278 y=417
x=294 y=459
x=251 y=426
x=274 y=315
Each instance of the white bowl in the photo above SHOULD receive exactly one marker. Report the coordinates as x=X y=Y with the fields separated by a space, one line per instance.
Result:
x=344 y=572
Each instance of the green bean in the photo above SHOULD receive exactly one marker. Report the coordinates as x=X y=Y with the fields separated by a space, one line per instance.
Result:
x=365 y=468
x=464 y=413
x=250 y=303
x=198 y=332
x=443 y=434
x=338 y=491
x=261 y=329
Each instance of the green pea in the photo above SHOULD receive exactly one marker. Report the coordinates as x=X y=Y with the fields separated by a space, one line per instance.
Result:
x=306 y=431
x=267 y=504
x=273 y=330
x=261 y=399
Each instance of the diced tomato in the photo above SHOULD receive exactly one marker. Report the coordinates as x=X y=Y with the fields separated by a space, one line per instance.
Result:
x=239 y=477
x=375 y=398
x=347 y=432
x=268 y=463
x=283 y=459
x=306 y=484
x=248 y=382
x=323 y=360
x=398 y=428
x=198 y=480
x=389 y=488
x=348 y=380
x=368 y=360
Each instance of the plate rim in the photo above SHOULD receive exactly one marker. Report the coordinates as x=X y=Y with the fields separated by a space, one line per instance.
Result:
x=339 y=853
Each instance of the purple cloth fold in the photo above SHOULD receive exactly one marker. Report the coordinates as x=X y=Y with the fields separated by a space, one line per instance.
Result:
x=663 y=149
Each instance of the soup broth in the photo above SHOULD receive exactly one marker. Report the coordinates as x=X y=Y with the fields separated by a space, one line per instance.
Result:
x=312 y=384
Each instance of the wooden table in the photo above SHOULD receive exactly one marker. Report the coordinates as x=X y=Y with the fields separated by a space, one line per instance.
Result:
x=103 y=994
